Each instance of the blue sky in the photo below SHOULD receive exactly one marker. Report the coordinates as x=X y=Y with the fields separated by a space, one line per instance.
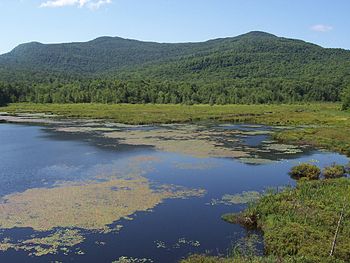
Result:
x=324 y=22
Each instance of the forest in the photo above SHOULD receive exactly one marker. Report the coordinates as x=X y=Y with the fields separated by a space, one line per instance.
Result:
x=254 y=68
x=164 y=92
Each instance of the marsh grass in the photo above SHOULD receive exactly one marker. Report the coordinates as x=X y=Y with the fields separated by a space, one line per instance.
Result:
x=318 y=124
x=334 y=171
x=305 y=171
x=301 y=222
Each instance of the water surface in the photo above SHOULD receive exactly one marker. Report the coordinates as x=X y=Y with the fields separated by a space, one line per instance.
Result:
x=40 y=157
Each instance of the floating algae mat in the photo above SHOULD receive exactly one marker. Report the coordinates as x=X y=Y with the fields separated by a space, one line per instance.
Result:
x=95 y=191
x=89 y=205
x=61 y=240
x=243 y=198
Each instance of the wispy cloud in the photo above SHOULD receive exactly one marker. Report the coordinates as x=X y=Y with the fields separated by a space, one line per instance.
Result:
x=321 y=28
x=98 y=4
x=92 y=4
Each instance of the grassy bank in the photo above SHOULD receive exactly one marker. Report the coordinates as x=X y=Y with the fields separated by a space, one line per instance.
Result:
x=165 y=113
x=301 y=222
x=322 y=125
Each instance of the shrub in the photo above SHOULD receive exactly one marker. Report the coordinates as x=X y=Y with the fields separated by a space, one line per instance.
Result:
x=347 y=168
x=346 y=99
x=334 y=171
x=305 y=170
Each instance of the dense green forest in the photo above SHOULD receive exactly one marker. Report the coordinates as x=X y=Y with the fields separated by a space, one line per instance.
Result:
x=253 y=68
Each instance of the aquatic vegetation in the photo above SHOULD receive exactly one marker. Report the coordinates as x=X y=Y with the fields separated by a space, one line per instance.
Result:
x=305 y=171
x=183 y=241
x=184 y=139
x=329 y=120
x=179 y=243
x=89 y=206
x=301 y=222
x=60 y=240
x=284 y=148
x=329 y=129
x=160 y=244
x=334 y=171
x=254 y=160
x=196 y=140
x=243 y=198
x=254 y=133
x=124 y=259
x=247 y=259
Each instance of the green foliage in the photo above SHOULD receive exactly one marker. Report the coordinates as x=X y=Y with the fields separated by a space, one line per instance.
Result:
x=334 y=171
x=3 y=99
x=345 y=97
x=305 y=171
x=256 y=259
x=301 y=222
x=254 y=68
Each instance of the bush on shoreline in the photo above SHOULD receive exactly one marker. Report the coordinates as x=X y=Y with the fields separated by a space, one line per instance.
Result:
x=334 y=171
x=300 y=222
x=305 y=170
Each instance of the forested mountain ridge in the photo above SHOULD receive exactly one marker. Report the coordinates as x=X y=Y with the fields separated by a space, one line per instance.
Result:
x=256 y=67
x=114 y=53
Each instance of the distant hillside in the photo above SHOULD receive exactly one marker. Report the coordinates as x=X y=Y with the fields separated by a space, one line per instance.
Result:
x=256 y=60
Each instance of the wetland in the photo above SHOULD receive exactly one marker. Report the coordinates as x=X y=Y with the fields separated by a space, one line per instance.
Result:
x=82 y=190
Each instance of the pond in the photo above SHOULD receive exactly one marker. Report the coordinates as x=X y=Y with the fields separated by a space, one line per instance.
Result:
x=94 y=191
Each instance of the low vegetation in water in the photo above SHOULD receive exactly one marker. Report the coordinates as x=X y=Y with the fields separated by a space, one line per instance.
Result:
x=305 y=171
x=321 y=124
x=125 y=259
x=299 y=224
x=89 y=206
x=302 y=222
x=61 y=240
x=243 y=198
x=334 y=171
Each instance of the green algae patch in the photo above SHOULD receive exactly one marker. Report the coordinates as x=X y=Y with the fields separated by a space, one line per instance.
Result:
x=253 y=160
x=185 y=139
x=80 y=208
x=181 y=242
x=330 y=126
x=61 y=240
x=90 y=206
x=125 y=259
x=243 y=198
x=283 y=148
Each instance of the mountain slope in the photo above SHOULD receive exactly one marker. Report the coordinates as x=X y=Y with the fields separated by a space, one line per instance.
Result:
x=256 y=67
x=113 y=54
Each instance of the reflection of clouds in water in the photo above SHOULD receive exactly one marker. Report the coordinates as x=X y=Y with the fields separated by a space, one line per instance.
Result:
x=120 y=168
x=58 y=174
x=61 y=170
x=90 y=153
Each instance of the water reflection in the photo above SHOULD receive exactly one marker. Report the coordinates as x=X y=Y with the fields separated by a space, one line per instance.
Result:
x=34 y=157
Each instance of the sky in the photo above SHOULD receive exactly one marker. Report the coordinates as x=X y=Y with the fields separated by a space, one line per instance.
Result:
x=323 y=22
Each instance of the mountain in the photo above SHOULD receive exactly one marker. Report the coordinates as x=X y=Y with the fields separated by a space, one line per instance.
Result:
x=255 y=60
x=112 y=54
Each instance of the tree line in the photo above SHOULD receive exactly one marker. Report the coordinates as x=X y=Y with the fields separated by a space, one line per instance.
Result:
x=253 y=91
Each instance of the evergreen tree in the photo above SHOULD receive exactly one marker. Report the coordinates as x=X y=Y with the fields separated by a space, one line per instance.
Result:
x=346 y=98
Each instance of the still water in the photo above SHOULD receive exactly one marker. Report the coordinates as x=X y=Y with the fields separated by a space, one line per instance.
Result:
x=33 y=158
